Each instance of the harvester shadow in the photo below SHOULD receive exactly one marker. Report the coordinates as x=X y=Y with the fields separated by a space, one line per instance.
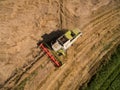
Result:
x=51 y=37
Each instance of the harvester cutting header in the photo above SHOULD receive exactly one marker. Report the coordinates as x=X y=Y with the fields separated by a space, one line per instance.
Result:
x=60 y=45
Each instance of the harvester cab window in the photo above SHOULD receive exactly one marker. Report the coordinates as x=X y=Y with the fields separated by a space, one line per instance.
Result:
x=62 y=40
x=72 y=34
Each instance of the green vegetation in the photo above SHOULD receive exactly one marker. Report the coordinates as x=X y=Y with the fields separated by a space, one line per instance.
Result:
x=108 y=78
x=21 y=85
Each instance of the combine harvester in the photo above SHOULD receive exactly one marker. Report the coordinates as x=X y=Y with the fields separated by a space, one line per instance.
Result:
x=60 y=45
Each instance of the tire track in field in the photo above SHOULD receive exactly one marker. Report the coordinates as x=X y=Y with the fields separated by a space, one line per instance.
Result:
x=17 y=77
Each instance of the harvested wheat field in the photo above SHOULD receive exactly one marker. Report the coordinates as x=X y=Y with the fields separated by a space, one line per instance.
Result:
x=23 y=23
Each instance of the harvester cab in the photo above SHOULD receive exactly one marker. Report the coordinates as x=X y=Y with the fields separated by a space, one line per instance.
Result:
x=65 y=41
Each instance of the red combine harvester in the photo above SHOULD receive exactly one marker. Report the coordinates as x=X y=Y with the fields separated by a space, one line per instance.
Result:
x=50 y=55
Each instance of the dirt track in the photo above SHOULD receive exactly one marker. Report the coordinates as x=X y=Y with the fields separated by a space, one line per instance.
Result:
x=101 y=33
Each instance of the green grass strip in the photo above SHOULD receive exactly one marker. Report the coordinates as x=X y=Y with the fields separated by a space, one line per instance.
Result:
x=115 y=85
x=106 y=74
x=111 y=78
